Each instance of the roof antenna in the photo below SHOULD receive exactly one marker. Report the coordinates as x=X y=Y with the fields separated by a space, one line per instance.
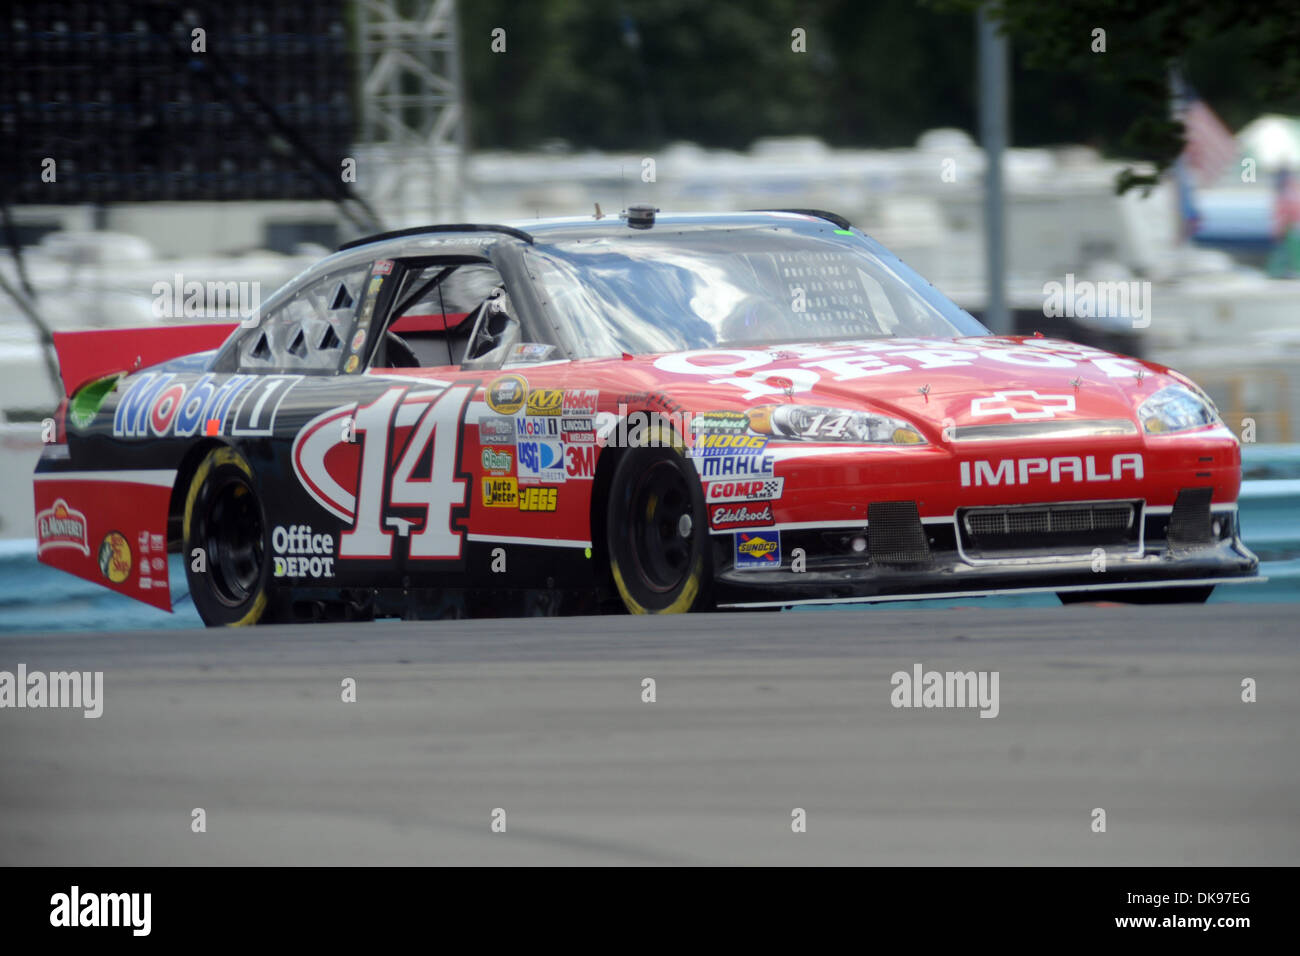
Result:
x=599 y=214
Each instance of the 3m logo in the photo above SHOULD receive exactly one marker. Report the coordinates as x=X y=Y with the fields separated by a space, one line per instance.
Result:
x=61 y=526
x=580 y=461
x=1020 y=471
x=500 y=492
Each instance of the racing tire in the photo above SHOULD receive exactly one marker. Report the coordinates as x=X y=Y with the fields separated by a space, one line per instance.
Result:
x=1173 y=595
x=225 y=518
x=657 y=529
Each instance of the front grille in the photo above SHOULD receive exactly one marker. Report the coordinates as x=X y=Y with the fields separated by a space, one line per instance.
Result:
x=895 y=534
x=1036 y=529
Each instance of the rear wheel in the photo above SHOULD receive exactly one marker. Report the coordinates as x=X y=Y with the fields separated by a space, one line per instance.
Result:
x=657 y=530
x=226 y=542
x=1170 y=595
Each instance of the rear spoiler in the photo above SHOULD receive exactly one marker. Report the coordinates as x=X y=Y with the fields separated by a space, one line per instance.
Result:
x=87 y=356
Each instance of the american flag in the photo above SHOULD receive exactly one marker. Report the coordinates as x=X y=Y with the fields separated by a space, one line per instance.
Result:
x=1210 y=147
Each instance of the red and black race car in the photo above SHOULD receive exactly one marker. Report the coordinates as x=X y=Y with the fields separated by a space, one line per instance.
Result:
x=652 y=414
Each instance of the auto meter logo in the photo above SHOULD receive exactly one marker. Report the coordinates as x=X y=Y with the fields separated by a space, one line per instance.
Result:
x=757 y=551
x=115 y=557
x=740 y=516
x=506 y=395
x=762 y=489
x=61 y=526
x=500 y=492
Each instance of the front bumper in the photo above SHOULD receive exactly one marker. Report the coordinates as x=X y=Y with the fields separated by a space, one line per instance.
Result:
x=832 y=571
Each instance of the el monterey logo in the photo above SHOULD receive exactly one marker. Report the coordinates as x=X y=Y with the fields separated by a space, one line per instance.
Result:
x=61 y=526
x=1019 y=471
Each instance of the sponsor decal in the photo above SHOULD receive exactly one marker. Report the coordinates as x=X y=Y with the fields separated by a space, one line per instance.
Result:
x=718 y=445
x=498 y=461
x=736 y=466
x=528 y=353
x=1021 y=404
x=740 y=516
x=545 y=401
x=382 y=267
x=537 y=427
x=160 y=404
x=115 y=557
x=375 y=283
x=351 y=364
x=300 y=553
x=506 y=395
x=538 y=499
x=580 y=401
x=579 y=430
x=580 y=461
x=358 y=340
x=757 y=550
x=400 y=477
x=541 y=461
x=61 y=526
x=720 y=423
x=260 y=405
x=500 y=492
x=496 y=431
x=762 y=489
x=1073 y=468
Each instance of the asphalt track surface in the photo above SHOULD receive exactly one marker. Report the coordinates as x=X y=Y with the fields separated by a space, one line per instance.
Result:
x=1134 y=710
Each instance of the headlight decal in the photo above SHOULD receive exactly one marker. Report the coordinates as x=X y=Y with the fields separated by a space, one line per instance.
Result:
x=1175 y=408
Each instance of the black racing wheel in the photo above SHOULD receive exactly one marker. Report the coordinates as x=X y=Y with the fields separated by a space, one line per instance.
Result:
x=657 y=529
x=225 y=519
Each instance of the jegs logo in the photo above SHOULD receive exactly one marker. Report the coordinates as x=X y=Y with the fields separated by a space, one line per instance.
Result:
x=164 y=403
x=359 y=483
x=740 y=516
x=61 y=526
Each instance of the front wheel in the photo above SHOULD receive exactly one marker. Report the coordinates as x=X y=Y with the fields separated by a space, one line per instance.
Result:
x=225 y=535
x=657 y=530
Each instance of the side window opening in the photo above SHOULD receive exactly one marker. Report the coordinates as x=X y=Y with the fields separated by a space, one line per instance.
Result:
x=307 y=332
x=434 y=322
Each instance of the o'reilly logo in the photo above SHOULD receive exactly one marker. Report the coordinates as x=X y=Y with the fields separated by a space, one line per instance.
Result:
x=1074 y=468
x=76 y=908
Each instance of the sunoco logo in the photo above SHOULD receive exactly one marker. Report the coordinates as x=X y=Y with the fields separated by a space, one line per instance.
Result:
x=61 y=526
x=1020 y=471
x=301 y=554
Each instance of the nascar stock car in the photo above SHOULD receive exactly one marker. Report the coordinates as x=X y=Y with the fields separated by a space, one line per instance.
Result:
x=650 y=413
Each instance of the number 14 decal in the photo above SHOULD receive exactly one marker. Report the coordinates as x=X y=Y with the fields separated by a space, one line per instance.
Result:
x=432 y=421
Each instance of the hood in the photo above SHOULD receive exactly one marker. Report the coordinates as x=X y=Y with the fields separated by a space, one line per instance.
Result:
x=933 y=383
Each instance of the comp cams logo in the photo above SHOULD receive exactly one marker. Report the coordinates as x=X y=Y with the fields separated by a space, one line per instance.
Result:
x=301 y=554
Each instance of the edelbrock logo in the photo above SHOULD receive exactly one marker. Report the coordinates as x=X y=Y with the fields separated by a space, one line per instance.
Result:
x=1019 y=471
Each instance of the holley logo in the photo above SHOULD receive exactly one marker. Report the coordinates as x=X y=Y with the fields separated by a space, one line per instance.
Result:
x=61 y=526
x=758 y=550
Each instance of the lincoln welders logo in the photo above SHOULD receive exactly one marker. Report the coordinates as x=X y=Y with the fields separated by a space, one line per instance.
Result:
x=61 y=526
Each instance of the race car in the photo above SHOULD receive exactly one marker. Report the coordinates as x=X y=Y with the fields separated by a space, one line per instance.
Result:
x=646 y=413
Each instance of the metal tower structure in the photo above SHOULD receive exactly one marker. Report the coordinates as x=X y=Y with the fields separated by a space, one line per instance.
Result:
x=411 y=157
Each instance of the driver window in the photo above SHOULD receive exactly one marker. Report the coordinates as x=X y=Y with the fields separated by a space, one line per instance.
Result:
x=437 y=313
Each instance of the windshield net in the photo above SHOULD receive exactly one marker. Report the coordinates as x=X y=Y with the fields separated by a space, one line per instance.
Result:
x=644 y=294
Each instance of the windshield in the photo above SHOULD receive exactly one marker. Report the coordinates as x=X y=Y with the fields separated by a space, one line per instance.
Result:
x=651 y=293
